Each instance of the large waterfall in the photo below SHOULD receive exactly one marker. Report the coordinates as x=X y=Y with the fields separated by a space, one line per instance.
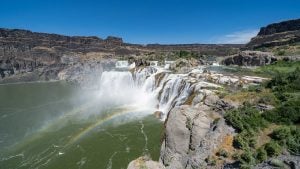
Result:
x=70 y=127
x=119 y=88
x=150 y=87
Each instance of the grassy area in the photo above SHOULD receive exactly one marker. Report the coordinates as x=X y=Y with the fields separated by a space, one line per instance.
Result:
x=264 y=71
x=252 y=96
x=278 y=67
x=266 y=134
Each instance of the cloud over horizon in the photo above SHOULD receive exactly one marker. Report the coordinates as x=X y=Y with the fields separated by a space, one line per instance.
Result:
x=239 y=37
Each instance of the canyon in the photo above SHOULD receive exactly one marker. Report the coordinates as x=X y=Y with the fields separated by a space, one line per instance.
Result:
x=183 y=88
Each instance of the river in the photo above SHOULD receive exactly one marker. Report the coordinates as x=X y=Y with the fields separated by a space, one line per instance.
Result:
x=55 y=125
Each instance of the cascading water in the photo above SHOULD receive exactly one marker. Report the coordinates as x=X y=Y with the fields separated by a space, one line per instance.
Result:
x=119 y=88
x=110 y=123
x=122 y=64
x=142 y=88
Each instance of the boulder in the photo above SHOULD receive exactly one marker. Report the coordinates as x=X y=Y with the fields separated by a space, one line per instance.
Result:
x=145 y=163
x=184 y=65
x=250 y=58
x=190 y=137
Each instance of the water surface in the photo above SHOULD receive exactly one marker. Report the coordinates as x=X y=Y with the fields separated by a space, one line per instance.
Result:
x=56 y=125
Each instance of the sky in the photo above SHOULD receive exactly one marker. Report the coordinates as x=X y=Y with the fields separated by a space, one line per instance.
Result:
x=149 y=21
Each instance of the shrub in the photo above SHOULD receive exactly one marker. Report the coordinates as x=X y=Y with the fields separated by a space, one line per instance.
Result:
x=235 y=156
x=252 y=142
x=281 y=52
x=247 y=157
x=222 y=153
x=242 y=139
x=281 y=133
x=245 y=118
x=261 y=155
x=211 y=161
x=293 y=144
x=287 y=113
x=272 y=149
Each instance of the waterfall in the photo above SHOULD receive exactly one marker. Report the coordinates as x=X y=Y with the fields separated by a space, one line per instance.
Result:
x=149 y=87
x=168 y=64
x=153 y=63
x=122 y=64
x=118 y=88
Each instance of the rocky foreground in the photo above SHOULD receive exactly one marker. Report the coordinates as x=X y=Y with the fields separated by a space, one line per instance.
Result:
x=196 y=133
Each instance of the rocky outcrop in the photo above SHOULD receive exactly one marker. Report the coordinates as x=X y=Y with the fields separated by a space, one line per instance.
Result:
x=250 y=58
x=290 y=25
x=192 y=135
x=282 y=161
x=229 y=79
x=184 y=65
x=145 y=163
x=277 y=34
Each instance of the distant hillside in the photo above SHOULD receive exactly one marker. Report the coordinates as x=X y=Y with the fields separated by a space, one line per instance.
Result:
x=277 y=34
x=44 y=55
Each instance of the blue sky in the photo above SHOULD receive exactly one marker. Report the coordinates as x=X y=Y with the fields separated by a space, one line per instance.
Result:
x=149 y=21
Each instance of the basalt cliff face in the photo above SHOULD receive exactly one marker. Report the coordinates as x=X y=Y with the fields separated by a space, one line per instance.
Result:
x=276 y=34
x=31 y=56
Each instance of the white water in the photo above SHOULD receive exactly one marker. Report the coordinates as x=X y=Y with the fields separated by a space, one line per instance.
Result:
x=144 y=90
x=118 y=88
x=122 y=64
x=153 y=63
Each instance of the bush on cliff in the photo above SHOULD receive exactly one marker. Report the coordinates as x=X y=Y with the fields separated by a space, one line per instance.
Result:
x=289 y=137
x=246 y=117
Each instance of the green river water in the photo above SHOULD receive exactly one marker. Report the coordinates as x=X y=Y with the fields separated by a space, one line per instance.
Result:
x=57 y=126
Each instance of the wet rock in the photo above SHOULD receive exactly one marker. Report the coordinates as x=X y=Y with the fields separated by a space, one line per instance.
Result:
x=141 y=62
x=184 y=65
x=158 y=114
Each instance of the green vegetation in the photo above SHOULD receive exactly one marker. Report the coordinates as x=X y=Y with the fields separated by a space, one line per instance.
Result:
x=186 y=54
x=283 y=93
x=210 y=160
x=222 y=153
x=246 y=118
x=272 y=149
x=261 y=155
x=279 y=67
x=288 y=137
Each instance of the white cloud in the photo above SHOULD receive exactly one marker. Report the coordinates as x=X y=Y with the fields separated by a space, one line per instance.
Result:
x=240 y=37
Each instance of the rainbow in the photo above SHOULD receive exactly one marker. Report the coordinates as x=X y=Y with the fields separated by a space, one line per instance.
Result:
x=121 y=111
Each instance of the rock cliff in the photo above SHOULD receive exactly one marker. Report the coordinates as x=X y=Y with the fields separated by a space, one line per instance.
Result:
x=276 y=34
x=31 y=56
x=250 y=58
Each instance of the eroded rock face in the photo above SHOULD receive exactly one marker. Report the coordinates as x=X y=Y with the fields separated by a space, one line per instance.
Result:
x=250 y=58
x=190 y=137
x=184 y=65
x=286 y=161
x=277 y=34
